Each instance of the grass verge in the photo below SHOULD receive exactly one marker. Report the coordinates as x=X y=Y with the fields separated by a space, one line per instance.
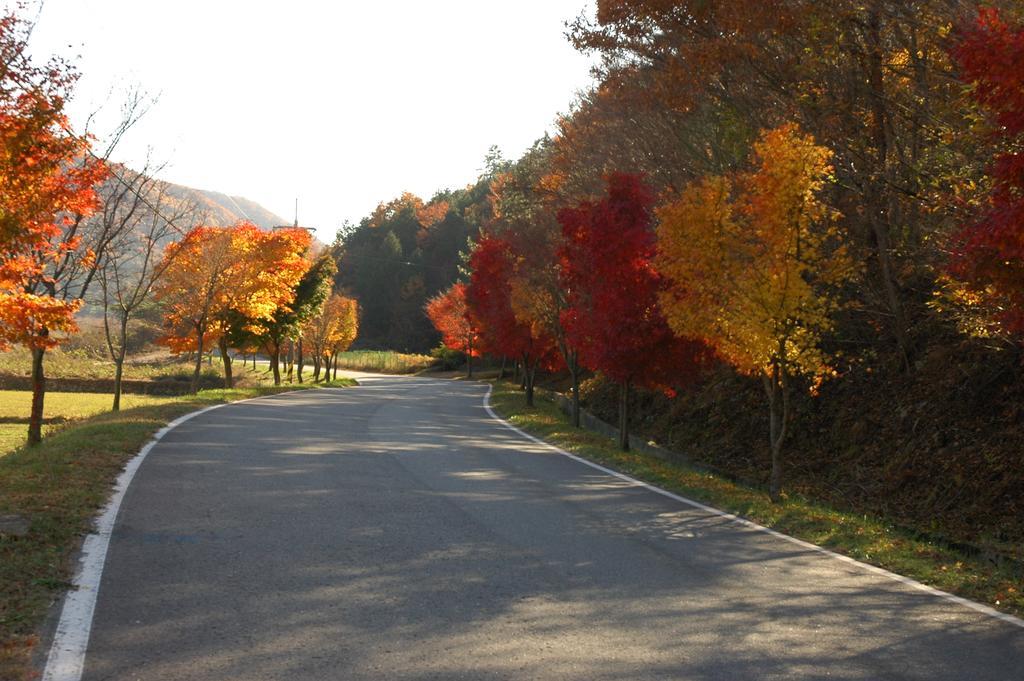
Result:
x=864 y=538
x=58 y=487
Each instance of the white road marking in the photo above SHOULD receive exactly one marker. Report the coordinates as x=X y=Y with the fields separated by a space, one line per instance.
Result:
x=66 y=659
x=991 y=612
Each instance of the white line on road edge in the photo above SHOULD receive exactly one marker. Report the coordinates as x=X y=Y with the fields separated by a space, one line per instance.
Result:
x=991 y=612
x=66 y=659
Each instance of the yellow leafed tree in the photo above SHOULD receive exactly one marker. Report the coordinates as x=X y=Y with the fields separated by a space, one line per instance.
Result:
x=331 y=332
x=754 y=262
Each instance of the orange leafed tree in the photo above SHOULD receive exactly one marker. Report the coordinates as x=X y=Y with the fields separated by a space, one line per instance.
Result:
x=219 y=276
x=44 y=181
x=754 y=262
x=450 y=316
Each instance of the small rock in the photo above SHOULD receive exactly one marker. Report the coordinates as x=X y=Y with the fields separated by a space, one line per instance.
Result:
x=13 y=525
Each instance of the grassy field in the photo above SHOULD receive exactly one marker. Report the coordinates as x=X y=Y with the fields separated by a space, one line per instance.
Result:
x=60 y=409
x=384 y=361
x=81 y=364
x=59 y=486
x=864 y=538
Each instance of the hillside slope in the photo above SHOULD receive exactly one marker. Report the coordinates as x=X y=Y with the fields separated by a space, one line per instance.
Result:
x=216 y=209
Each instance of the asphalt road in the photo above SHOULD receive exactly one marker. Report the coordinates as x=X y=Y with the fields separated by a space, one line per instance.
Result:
x=396 y=531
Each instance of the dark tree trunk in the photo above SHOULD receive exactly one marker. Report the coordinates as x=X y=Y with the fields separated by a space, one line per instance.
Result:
x=334 y=363
x=501 y=374
x=882 y=184
x=119 y=362
x=35 y=420
x=469 y=359
x=194 y=387
x=316 y=367
x=624 y=416
x=530 y=373
x=290 y=361
x=275 y=362
x=574 y=371
x=225 y=355
x=777 y=389
x=118 y=373
x=299 y=361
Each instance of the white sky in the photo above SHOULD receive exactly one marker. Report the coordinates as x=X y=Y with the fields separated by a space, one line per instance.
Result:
x=343 y=104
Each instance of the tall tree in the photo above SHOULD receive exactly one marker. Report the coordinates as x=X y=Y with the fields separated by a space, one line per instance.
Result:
x=47 y=179
x=754 y=264
x=525 y=201
x=612 y=315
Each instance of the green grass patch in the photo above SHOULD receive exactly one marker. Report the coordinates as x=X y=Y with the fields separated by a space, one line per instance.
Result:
x=60 y=485
x=864 y=538
x=384 y=361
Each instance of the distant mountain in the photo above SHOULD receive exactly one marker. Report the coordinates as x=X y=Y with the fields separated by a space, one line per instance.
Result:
x=215 y=209
x=222 y=210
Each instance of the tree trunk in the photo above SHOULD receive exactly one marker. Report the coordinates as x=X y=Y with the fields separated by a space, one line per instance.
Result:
x=884 y=179
x=300 y=360
x=574 y=371
x=469 y=359
x=35 y=421
x=316 y=368
x=501 y=374
x=290 y=361
x=515 y=371
x=194 y=387
x=776 y=386
x=624 y=416
x=119 y=362
x=225 y=355
x=531 y=376
x=334 y=362
x=275 y=362
x=118 y=373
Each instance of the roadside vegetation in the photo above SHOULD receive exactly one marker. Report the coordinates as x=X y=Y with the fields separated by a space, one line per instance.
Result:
x=866 y=538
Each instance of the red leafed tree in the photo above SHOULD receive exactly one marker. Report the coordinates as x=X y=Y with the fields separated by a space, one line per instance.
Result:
x=989 y=254
x=489 y=299
x=448 y=313
x=47 y=180
x=613 y=315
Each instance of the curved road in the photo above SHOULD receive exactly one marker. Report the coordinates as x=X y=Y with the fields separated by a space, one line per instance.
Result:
x=396 y=531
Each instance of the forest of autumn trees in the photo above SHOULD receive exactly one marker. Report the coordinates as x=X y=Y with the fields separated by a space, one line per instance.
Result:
x=805 y=193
